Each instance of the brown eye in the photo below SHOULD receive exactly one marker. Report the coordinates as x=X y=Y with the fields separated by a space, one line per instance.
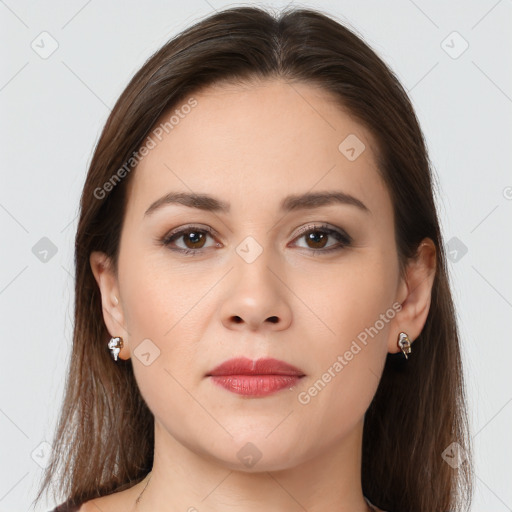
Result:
x=192 y=238
x=317 y=238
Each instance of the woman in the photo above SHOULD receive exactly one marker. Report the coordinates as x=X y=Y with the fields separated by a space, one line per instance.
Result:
x=263 y=319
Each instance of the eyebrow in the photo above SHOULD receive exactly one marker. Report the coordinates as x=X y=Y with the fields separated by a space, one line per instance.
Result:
x=307 y=201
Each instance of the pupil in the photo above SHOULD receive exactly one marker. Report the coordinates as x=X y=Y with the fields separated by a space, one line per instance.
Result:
x=313 y=237
x=194 y=237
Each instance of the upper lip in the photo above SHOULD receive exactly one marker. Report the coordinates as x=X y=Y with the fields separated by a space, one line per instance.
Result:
x=263 y=366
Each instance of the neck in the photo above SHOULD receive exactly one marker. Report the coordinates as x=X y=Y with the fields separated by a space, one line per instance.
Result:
x=182 y=479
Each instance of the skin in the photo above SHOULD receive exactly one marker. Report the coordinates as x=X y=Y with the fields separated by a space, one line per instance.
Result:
x=251 y=145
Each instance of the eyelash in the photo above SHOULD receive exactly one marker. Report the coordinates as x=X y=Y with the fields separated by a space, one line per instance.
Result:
x=341 y=236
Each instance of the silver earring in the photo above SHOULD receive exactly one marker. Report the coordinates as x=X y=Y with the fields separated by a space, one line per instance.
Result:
x=404 y=343
x=115 y=345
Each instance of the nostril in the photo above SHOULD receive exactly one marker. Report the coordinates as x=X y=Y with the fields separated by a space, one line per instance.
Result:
x=273 y=319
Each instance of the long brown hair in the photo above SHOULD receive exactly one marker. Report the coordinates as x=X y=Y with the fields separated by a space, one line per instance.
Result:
x=104 y=438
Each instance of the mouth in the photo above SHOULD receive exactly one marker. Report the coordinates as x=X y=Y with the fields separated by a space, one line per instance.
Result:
x=255 y=378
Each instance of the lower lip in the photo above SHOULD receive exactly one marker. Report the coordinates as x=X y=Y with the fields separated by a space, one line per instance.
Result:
x=255 y=385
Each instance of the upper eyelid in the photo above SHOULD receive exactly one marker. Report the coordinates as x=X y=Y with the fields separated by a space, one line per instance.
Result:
x=184 y=229
x=310 y=226
x=322 y=225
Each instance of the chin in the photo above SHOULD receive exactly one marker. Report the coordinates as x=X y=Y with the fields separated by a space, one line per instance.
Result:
x=255 y=453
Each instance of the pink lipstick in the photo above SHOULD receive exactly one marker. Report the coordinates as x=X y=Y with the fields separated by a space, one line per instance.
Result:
x=255 y=378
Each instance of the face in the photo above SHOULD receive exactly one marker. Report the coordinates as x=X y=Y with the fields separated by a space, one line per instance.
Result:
x=264 y=274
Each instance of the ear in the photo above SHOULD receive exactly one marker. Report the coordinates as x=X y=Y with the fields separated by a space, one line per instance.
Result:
x=414 y=294
x=111 y=303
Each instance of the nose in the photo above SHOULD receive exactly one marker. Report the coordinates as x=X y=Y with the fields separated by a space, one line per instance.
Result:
x=258 y=298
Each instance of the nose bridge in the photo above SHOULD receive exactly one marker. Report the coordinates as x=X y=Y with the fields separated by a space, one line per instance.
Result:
x=256 y=295
x=253 y=263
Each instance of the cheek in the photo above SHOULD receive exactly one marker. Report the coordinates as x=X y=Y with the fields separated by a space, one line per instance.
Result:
x=356 y=305
x=169 y=315
x=158 y=314
x=347 y=371
x=160 y=296
x=161 y=341
x=351 y=297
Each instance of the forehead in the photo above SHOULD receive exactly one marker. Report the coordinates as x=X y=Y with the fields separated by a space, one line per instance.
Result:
x=255 y=143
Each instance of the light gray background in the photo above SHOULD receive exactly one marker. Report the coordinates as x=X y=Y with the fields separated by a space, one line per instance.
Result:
x=53 y=109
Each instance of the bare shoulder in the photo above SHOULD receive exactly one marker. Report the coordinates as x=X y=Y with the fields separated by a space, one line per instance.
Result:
x=95 y=505
x=117 y=502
